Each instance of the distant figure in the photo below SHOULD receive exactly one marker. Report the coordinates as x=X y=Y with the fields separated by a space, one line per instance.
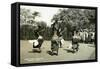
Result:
x=89 y=37
x=81 y=36
x=86 y=37
x=61 y=41
x=92 y=37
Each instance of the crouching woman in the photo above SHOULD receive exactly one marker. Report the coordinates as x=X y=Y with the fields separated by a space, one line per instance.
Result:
x=38 y=43
x=75 y=40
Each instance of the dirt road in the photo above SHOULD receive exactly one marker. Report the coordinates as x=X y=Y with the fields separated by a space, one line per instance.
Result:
x=86 y=52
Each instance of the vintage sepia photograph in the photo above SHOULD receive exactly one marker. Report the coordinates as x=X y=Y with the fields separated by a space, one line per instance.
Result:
x=54 y=34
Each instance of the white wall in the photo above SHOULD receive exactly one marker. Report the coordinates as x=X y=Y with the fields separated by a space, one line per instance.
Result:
x=5 y=25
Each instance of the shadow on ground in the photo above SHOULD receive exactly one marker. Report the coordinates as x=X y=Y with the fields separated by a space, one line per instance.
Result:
x=35 y=51
x=69 y=51
x=49 y=52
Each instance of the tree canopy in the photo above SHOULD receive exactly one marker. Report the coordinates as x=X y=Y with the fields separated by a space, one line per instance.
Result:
x=74 y=19
x=66 y=21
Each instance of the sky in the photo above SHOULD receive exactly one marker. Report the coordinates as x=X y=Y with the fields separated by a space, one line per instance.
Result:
x=46 y=13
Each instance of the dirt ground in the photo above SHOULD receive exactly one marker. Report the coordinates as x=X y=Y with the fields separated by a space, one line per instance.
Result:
x=86 y=52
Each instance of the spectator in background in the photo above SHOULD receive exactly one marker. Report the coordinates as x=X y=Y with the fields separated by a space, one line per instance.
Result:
x=61 y=41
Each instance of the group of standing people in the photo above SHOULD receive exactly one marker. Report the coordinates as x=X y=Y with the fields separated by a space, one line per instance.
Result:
x=87 y=36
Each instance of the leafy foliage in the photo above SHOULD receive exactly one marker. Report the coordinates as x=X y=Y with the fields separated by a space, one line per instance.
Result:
x=66 y=20
x=74 y=19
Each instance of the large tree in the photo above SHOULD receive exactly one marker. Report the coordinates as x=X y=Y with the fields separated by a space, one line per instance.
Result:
x=27 y=16
x=90 y=14
x=73 y=19
x=30 y=28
